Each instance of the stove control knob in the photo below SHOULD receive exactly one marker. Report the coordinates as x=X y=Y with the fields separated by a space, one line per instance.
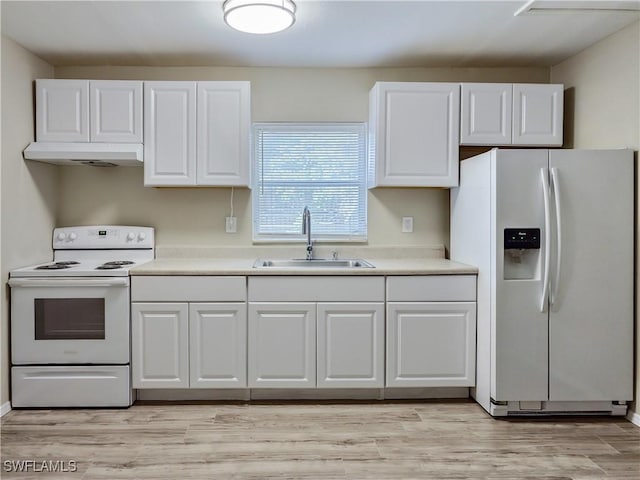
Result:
x=141 y=236
x=72 y=236
x=61 y=236
x=130 y=236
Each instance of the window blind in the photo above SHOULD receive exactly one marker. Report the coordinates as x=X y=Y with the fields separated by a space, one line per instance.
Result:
x=322 y=166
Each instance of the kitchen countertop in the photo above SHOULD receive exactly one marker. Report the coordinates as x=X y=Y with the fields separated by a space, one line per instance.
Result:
x=244 y=266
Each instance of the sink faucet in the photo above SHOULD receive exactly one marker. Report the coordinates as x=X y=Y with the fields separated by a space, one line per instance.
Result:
x=306 y=228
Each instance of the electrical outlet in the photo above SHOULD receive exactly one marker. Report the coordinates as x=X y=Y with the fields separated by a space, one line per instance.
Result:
x=230 y=225
x=407 y=224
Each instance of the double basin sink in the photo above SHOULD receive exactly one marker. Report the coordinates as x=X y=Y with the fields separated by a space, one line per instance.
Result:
x=313 y=263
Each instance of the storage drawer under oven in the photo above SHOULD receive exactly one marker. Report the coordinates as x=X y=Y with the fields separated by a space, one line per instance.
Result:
x=71 y=386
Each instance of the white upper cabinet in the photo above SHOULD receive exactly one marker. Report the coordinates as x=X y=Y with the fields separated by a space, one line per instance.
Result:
x=170 y=133
x=197 y=133
x=224 y=119
x=116 y=111
x=62 y=110
x=511 y=114
x=100 y=111
x=485 y=114
x=538 y=114
x=414 y=134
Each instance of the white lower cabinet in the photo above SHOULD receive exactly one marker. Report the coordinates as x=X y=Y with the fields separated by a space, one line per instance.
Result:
x=308 y=345
x=431 y=343
x=160 y=345
x=338 y=333
x=182 y=345
x=217 y=345
x=282 y=345
x=334 y=338
x=192 y=343
x=350 y=343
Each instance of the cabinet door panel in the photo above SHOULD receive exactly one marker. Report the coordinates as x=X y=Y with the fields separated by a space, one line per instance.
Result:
x=416 y=126
x=62 y=110
x=169 y=133
x=160 y=345
x=350 y=340
x=116 y=111
x=218 y=345
x=223 y=133
x=431 y=344
x=282 y=345
x=485 y=113
x=537 y=114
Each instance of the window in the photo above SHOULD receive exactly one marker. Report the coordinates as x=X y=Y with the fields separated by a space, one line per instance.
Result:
x=319 y=165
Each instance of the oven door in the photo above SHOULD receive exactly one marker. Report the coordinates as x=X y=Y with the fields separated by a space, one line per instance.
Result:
x=70 y=320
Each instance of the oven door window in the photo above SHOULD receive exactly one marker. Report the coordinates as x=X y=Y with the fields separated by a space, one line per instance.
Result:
x=69 y=318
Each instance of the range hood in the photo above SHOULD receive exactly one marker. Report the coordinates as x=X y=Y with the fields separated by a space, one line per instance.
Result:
x=92 y=154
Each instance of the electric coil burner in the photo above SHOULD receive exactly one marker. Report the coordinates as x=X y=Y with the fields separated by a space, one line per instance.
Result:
x=114 y=265
x=53 y=266
x=70 y=319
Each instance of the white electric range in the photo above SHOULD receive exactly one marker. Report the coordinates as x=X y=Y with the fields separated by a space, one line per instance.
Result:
x=70 y=319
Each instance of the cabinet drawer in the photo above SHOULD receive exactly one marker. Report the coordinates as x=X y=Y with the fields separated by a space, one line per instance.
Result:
x=71 y=386
x=432 y=288
x=188 y=289
x=316 y=289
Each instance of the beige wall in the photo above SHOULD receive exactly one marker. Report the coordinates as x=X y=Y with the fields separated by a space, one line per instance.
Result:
x=29 y=190
x=604 y=81
x=196 y=216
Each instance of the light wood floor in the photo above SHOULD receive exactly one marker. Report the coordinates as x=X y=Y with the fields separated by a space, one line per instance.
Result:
x=433 y=439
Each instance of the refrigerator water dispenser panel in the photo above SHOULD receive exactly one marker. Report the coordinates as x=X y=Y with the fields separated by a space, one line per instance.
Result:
x=526 y=238
x=521 y=253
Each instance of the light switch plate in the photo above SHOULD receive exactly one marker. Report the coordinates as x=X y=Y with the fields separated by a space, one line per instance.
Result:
x=407 y=224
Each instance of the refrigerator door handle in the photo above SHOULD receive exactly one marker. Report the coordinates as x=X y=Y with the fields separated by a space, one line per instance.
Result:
x=544 y=175
x=555 y=182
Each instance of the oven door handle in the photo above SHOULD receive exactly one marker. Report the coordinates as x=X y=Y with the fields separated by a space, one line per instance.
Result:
x=69 y=282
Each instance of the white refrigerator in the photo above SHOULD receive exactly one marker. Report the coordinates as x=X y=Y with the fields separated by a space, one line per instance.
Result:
x=552 y=234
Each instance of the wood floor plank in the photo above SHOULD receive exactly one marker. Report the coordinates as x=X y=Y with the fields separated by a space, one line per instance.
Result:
x=443 y=439
x=245 y=470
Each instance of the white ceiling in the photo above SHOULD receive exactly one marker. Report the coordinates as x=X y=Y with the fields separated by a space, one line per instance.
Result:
x=327 y=33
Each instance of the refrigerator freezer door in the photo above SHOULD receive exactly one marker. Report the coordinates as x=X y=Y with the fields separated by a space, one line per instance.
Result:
x=519 y=331
x=591 y=317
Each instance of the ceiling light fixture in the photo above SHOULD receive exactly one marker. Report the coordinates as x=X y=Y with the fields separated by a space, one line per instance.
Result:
x=259 y=16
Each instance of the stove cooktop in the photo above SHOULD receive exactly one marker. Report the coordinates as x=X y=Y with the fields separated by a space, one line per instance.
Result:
x=75 y=268
x=95 y=251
